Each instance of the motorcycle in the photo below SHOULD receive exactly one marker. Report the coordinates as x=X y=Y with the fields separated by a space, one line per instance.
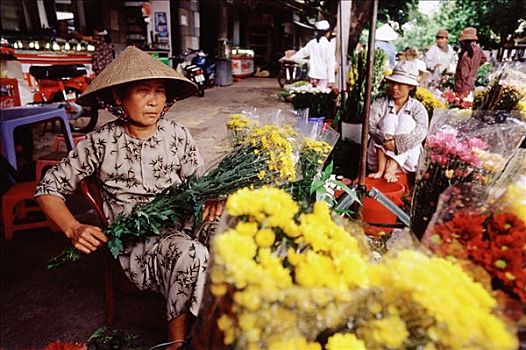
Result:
x=193 y=72
x=64 y=84
x=202 y=60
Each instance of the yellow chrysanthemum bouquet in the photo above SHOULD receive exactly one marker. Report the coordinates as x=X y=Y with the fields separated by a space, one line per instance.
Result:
x=288 y=277
x=238 y=128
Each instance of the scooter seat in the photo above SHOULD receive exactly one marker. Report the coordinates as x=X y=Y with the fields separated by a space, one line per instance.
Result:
x=58 y=71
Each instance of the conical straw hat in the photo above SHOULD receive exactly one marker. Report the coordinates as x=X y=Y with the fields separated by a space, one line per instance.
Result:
x=134 y=65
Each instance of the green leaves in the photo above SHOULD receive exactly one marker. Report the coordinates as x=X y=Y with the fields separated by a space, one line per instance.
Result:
x=68 y=255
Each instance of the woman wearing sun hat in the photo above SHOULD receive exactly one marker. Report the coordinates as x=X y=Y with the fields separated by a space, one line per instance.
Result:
x=398 y=125
x=470 y=59
x=134 y=157
x=322 y=56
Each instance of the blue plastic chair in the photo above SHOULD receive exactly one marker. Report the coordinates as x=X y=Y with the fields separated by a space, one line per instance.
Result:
x=10 y=118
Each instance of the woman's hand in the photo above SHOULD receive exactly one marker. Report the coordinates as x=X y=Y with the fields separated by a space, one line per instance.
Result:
x=390 y=144
x=87 y=238
x=213 y=209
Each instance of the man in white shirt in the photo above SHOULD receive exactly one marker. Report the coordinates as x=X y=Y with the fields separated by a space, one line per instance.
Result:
x=441 y=56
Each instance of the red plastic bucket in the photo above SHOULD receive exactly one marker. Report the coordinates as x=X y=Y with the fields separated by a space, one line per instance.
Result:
x=374 y=212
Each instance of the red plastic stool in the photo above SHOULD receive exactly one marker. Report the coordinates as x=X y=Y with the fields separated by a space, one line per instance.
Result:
x=59 y=138
x=45 y=162
x=12 y=203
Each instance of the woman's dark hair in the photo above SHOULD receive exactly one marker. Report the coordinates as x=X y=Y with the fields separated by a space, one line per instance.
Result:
x=412 y=92
x=321 y=33
x=465 y=46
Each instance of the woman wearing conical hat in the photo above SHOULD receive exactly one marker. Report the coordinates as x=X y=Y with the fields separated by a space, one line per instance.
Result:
x=134 y=157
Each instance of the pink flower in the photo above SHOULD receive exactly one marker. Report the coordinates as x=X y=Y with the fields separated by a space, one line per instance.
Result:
x=475 y=142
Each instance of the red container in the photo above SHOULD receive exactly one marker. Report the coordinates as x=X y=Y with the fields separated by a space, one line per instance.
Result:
x=374 y=212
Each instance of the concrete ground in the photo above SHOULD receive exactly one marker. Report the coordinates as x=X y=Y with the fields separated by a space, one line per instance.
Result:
x=40 y=306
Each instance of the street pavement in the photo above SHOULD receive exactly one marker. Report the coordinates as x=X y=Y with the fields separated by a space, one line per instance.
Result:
x=40 y=306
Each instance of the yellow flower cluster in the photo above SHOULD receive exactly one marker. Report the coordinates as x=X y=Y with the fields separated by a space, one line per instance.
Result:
x=293 y=274
x=429 y=101
x=345 y=342
x=274 y=141
x=237 y=122
x=458 y=305
x=521 y=107
x=320 y=147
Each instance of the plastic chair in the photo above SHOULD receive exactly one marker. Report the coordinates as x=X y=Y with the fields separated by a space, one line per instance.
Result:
x=90 y=188
x=45 y=162
x=11 y=118
x=14 y=207
x=59 y=139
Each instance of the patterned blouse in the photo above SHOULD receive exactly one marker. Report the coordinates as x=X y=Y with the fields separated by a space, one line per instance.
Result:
x=130 y=170
x=404 y=142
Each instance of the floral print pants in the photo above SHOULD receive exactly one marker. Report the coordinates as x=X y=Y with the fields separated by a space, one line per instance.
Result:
x=173 y=264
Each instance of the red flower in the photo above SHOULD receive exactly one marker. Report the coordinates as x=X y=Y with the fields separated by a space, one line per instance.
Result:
x=507 y=230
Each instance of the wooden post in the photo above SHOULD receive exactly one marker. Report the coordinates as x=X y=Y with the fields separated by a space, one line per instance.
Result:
x=367 y=101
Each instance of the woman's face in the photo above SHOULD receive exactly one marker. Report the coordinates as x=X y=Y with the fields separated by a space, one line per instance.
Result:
x=144 y=101
x=399 y=90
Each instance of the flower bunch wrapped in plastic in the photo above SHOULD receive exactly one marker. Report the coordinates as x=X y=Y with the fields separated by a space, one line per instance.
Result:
x=279 y=267
x=459 y=150
x=489 y=231
x=267 y=157
x=506 y=90
x=286 y=277
x=492 y=239
x=238 y=127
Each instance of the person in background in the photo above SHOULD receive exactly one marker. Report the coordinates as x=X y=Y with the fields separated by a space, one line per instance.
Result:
x=413 y=55
x=470 y=58
x=104 y=53
x=441 y=55
x=322 y=57
x=385 y=35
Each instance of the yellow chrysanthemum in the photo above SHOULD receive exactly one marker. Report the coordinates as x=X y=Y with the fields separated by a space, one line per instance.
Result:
x=345 y=342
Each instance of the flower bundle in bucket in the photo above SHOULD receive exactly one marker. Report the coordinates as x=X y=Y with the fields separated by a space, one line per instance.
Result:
x=267 y=157
x=288 y=277
x=320 y=101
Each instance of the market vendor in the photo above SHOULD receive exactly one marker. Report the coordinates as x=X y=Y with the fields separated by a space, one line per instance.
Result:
x=470 y=58
x=135 y=157
x=398 y=125
x=441 y=55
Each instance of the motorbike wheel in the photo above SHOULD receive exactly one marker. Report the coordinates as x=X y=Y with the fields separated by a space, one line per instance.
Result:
x=200 y=91
x=281 y=78
x=86 y=120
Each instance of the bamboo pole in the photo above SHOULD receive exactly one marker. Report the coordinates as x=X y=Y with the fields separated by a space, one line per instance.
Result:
x=367 y=102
